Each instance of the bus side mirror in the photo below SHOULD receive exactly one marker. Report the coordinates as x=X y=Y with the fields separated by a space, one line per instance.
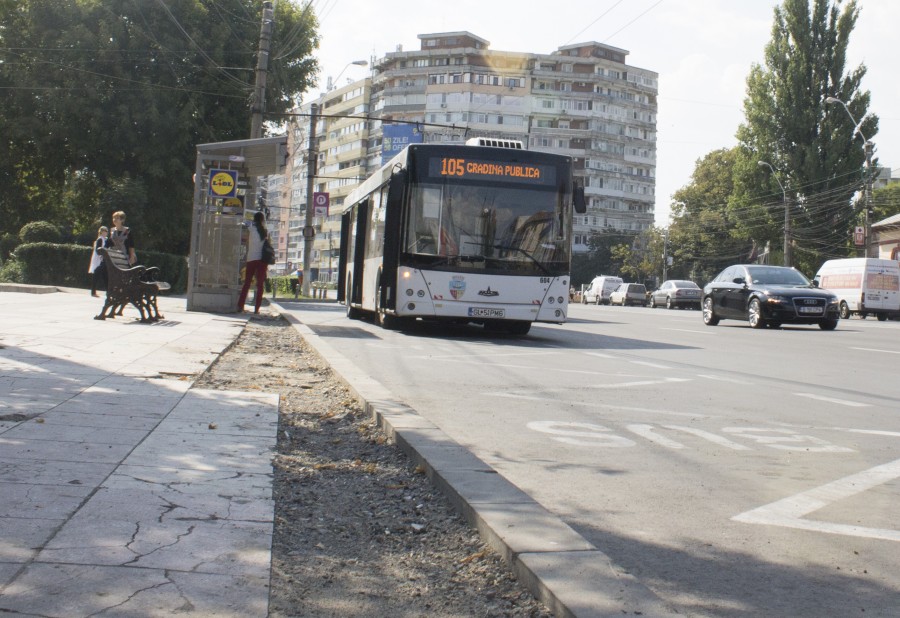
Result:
x=395 y=188
x=578 y=198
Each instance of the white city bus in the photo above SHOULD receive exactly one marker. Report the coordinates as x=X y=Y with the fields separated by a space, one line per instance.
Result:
x=461 y=233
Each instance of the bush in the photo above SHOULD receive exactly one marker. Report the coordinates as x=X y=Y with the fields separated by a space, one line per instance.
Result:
x=39 y=231
x=8 y=244
x=46 y=263
x=11 y=272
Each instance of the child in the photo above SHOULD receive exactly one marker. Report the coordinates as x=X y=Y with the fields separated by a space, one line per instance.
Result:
x=97 y=268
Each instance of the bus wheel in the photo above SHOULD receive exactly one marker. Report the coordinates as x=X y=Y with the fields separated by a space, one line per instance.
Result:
x=352 y=312
x=386 y=320
x=518 y=328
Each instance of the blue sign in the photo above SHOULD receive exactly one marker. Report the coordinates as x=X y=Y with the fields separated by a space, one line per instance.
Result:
x=396 y=137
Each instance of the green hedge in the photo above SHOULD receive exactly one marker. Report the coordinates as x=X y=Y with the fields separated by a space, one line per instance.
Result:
x=45 y=263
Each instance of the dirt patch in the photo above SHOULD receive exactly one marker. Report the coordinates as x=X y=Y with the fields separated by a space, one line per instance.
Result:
x=359 y=531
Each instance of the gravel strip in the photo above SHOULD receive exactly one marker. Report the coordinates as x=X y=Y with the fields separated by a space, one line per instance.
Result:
x=359 y=530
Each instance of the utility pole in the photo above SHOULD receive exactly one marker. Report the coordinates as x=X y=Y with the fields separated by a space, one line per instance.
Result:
x=666 y=255
x=258 y=104
x=869 y=146
x=309 y=232
x=788 y=244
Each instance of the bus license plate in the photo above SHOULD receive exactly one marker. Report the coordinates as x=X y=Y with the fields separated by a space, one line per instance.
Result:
x=484 y=312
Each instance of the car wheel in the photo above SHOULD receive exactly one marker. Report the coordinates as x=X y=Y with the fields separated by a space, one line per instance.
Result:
x=754 y=314
x=709 y=316
x=669 y=304
x=828 y=324
x=845 y=310
x=881 y=317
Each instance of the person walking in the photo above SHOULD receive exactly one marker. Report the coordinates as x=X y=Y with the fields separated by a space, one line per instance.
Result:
x=122 y=238
x=256 y=267
x=97 y=267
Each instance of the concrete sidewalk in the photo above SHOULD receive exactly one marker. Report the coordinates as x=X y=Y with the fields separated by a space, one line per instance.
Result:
x=122 y=490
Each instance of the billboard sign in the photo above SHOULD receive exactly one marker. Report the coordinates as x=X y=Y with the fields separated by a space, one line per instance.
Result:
x=396 y=137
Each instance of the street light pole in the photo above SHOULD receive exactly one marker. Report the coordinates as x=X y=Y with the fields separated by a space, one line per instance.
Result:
x=332 y=84
x=869 y=148
x=788 y=249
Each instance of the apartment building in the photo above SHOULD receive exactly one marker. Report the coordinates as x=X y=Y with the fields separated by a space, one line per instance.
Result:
x=581 y=100
x=339 y=149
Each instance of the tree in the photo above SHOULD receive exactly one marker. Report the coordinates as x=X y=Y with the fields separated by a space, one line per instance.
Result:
x=108 y=93
x=810 y=144
x=642 y=259
x=598 y=260
x=886 y=202
x=705 y=234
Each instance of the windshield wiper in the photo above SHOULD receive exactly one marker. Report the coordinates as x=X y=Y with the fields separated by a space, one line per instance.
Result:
x=526 y=254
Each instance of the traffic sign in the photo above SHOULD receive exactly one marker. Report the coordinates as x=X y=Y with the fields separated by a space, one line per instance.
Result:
x=320 y=204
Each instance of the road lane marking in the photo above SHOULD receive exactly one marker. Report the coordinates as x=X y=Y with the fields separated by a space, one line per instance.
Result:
x=873 y=432
x=789 y=512
x=647 y=432
x=592 y=404
x=877 y=350
x=712 y=437
x=599 y=355
x=722 y=379
x=649 y=364
x=841 y=402
x=640 y=383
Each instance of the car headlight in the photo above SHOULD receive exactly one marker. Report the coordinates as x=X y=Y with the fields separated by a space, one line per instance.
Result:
x=833 y=300
x=775 y=298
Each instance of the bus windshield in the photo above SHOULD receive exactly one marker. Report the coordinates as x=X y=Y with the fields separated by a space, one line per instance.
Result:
x=495 y=228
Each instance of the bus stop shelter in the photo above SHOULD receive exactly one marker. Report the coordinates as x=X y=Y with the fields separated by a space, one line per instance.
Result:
x=224 y=188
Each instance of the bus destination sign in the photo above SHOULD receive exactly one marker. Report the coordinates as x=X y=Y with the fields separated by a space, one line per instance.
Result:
x=473 y=169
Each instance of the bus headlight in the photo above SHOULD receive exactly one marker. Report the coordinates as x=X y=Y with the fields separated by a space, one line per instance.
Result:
x=421 y=294
x=409 y=292
x=560 y=300
x=550 y=300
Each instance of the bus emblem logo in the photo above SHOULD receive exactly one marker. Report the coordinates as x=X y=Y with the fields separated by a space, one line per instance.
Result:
x=457 y=287
x=488 y=292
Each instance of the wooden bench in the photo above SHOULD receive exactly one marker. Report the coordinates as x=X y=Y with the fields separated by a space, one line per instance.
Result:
x=126 y=284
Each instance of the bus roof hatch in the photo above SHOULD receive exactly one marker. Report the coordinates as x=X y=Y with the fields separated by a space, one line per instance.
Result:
x=495 y=143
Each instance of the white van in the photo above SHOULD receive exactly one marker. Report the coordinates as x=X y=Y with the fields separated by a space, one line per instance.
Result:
x=864 y=285
x=599 y=290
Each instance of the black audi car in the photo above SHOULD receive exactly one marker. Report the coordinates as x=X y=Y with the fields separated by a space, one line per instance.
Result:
x=768 y=296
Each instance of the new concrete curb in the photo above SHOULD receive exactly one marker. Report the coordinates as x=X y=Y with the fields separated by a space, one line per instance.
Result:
x=559 y=566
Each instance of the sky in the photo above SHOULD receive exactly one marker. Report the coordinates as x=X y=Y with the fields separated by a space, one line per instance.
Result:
x=702 y=50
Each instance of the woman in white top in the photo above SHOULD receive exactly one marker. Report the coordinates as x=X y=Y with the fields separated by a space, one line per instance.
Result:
x=97 y=268
x=256 y=267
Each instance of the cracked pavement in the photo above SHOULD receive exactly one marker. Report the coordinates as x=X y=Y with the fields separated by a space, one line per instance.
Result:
x=122 y=490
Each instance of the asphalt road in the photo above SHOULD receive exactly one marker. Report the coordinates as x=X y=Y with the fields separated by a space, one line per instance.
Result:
x=734 y=472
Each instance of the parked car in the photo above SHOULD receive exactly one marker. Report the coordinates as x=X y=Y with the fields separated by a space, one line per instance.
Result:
x=599 y=290
x=629 y=294
x=864 y=285
x=768 y=296
x=676 y=293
